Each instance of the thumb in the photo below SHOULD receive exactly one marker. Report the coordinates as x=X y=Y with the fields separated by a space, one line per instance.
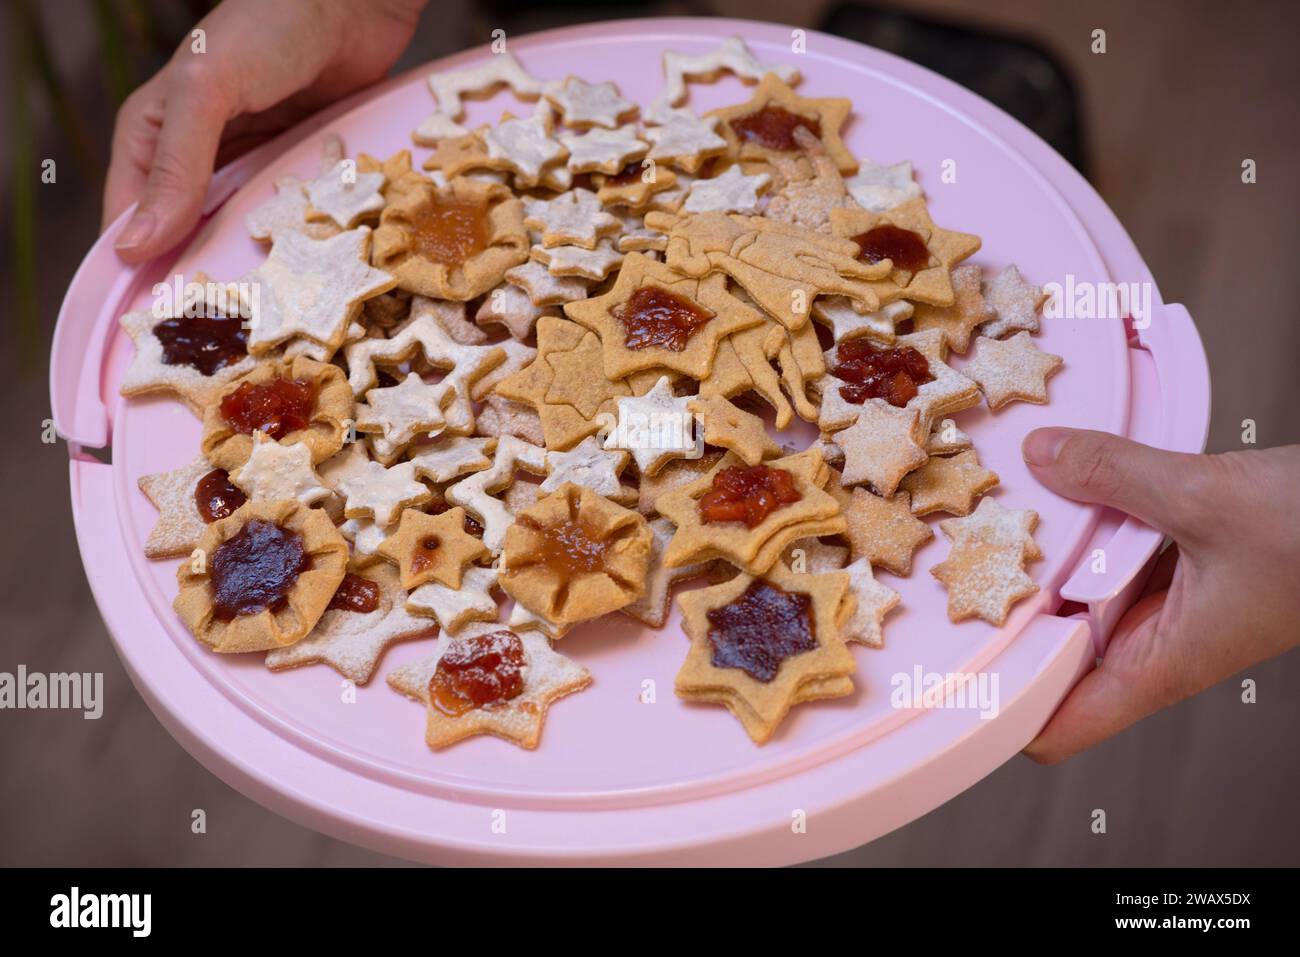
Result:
x=194 y=115
x=1097 y=467
x=1136 y=678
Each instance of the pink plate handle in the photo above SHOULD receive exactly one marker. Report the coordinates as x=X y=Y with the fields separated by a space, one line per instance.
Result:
x=1170 y=352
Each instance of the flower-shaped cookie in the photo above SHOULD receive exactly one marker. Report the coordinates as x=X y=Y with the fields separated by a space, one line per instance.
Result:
x=761 y=645
x=297 y=400
x=262 y=577
x=574 y=556
x=451 y=242
x=776 y=520
x=655 y=317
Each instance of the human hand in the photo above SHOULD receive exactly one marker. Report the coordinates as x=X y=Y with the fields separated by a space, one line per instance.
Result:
x=265 y=66
x=1225 y=596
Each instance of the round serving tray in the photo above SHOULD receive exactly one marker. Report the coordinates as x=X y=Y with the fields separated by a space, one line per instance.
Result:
x=616 y=778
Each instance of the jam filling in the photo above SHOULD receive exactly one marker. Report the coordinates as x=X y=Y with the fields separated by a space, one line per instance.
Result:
x=255 y=569
x=205 y=343
x=890 y=374
x=277 y=407
x=570 y=548
x=478 y=672
x=628 y=175
x=902 y=247
x=449 y=231
x=747 y=494
x=774 y=128
x=425 y=550
x=657 y=318
x=355 y=594
x=761 y=629
x=215 y=497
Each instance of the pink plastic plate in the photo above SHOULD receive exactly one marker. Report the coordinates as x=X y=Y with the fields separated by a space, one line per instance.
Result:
x=616 y=778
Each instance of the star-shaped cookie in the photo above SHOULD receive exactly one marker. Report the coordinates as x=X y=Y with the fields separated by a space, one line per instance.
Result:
x=930 y=283
x=275 y=471
x=431 y=548
x=847 y=323
x=286 y=211
x=756 y=549
x=547 y=677
x=573 y=218
x=948 y=390
x=179 y=524
x=882 y=446
x=524 y=147
x=983 y=580
x=594 y=264
x=583 y=105
x=545 y=289
x=510 y=307
x=879 y=188
x=655 y=427
x=709 y=674
x=872 y=602
x=312 y=288
x=381 y=493
x=366 y=537
x=589 y=466
x=423 y=335
x=345 y=195
x=731 y=191
x=502 y=69
x=948 y=484
x=603 y=151
x=457 y=607
x=1015 y=304
x=824 y=118
x=994 y=524
x=150 y=372
x=352 y=642
x=684 y=140
x=732 y=55
x=1012 y=368
x=453 y=457
x=958 y=321
x=637 y=319
x=729 y=427
x=881 y=530
x=399 y=414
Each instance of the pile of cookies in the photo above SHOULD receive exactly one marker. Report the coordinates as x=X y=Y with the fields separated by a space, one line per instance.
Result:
x=561 y=363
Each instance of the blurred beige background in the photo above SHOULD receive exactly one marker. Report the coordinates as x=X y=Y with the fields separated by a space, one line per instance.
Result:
x=1184 y=93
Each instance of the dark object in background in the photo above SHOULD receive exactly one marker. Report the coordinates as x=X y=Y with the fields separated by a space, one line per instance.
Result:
x=1019 y=76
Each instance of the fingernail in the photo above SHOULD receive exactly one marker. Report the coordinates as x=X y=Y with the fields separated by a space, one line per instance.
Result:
x=1042 y=446
x=139 y=229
